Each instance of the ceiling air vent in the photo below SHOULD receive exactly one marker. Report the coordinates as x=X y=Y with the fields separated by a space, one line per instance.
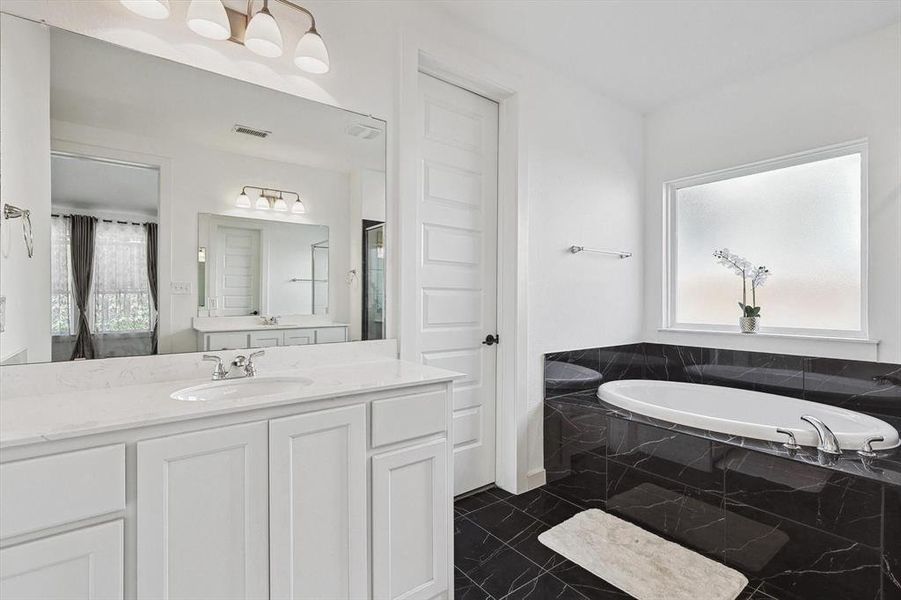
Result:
x=362 y=131
x=260 y=133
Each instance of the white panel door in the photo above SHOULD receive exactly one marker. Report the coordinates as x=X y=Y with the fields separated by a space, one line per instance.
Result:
x=457 y=303
x=85 y=564
x=410 y=514
x=238 y=267
x=203 y=523
x=317 y=505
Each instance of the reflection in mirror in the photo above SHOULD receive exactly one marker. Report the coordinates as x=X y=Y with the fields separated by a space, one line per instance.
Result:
x=176 y=210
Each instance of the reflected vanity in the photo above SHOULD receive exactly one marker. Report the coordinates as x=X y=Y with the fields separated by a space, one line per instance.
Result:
x=186 y=211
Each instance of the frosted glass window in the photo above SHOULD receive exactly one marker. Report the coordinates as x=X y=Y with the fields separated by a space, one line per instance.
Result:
x=802 y=221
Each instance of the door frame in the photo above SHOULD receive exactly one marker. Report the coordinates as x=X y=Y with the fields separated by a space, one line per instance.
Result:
x=422 y=55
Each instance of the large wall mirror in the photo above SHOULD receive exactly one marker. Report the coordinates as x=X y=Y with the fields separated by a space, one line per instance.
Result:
x=169 y=209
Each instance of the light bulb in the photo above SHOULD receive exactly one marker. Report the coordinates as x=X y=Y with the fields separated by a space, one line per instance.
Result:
x=152 y=9
x=280 y=205
x=298 y=208
x=242 y=201
x=208 y=18
x=262 y=203
x=263 y=35
x=311 y=55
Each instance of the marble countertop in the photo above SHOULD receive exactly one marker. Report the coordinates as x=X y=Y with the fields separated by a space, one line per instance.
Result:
x=34 y=419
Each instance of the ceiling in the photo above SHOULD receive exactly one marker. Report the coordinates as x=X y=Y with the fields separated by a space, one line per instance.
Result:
x=109 y=87
x=84 y=184
x=649 y=53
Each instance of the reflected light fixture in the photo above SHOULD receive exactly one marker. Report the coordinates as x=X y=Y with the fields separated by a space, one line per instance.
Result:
x=311 y=55
x=207 y=18
x=151 y=9
x=270 y=199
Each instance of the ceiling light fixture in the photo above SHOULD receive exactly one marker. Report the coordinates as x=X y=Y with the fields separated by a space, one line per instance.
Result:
x=151 y=9
x=270 y=199
x=257 y=30
x=207 y=18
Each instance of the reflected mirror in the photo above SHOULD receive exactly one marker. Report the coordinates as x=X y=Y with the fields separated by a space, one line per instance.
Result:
x=176 y=210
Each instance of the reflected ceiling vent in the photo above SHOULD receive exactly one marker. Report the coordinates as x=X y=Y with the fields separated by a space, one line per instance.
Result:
x=364 y=132
x=260 y=133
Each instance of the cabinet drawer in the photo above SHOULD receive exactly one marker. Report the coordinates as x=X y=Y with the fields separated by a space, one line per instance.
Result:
x=54 y=490
x=408 y=417
x=226 y=341
x=330 y=335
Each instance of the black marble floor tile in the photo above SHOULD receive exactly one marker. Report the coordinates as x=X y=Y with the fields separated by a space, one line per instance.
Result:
x=586 y=583
x=891 y=560
x=545 y=587
x=504 y=572
x=527 y=544
x=473 y=546
x=688 y=459
x=794 y=561
x=834 y=502
x=544 y=506
x=666 y=508
x=498 y=492
x=473 y=502
x=466 y=589
x=867 y=387
x=501 y=520
x=584 y=483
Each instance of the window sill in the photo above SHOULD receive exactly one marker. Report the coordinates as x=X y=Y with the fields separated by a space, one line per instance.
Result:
x=776 y=336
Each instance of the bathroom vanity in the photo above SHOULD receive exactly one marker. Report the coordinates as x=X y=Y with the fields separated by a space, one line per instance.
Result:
x=331 y=481
x=249 y=332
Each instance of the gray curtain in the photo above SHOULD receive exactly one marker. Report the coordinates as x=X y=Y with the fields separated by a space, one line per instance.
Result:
x=84 y=232
x=152 y=245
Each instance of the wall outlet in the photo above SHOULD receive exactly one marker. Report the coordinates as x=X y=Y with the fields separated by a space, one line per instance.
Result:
x=180 y=288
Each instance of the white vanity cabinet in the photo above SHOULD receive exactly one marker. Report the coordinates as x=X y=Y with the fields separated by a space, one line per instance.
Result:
x=212 y=341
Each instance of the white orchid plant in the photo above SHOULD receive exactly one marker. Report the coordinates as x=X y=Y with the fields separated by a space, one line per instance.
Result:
x=743 y=268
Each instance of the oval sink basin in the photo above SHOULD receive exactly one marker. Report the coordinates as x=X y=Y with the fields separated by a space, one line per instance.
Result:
x=239 y=388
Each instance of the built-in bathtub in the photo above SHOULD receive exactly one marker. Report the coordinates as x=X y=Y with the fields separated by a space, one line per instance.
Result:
x=744 y=413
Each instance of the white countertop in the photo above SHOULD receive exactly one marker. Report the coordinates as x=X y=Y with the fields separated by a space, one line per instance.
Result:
x=221 y=324
x=32 y=419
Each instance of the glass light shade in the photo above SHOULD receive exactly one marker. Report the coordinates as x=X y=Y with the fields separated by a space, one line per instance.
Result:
x=298 y=208
x=208 y=18
x=243 y=201
x=152 y=9
x=280 y=205
x=262 y=203
x=263 y=35
x=311 y=54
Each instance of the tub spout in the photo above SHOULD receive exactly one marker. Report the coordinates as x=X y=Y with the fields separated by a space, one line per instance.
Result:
x=828 y=442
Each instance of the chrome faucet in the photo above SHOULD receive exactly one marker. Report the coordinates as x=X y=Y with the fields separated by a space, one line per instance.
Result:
x=828 y=442
x=244 y=364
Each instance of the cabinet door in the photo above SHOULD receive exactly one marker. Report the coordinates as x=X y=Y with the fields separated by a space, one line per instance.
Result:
x=410 y=520
x=80 y=565
x=300 y=337
x=203 y=515
x=317 y=505
x=330 y=335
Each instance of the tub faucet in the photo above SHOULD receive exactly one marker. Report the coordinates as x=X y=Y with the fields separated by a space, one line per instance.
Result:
x=828 y=442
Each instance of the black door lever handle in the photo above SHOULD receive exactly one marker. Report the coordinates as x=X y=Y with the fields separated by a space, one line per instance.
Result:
x=491 y=340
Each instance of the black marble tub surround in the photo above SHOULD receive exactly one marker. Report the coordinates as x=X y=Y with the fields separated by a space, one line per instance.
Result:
x=797 y=530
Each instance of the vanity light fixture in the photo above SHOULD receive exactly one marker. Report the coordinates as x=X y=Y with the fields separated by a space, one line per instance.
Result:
x=270 y=199
x=151 y=9
x=256 y=29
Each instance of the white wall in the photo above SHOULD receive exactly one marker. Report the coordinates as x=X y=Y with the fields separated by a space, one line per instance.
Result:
x=842 y=94
x=196 y=179
x=578 y=157
x=25 y=178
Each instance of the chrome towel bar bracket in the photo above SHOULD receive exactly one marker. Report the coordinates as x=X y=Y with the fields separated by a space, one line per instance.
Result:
x=619 y=253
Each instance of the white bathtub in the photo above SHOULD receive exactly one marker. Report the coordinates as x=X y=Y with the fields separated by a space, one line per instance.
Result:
x=744 y=413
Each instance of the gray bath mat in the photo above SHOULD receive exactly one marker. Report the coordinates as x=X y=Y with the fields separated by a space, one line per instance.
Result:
x=640 y=563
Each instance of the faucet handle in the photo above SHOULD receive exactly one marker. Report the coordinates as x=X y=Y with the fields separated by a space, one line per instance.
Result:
x=249 y=368
x=219 y=372
x=867 y=450
x=253 y=355
x=791 y=444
